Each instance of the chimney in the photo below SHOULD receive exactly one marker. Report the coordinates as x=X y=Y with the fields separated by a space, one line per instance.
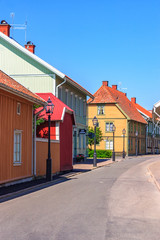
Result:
x=114 y=87
x=30 y=47
x=133 y=100
x=125 y=94
x=105 y=83
x=5 y=28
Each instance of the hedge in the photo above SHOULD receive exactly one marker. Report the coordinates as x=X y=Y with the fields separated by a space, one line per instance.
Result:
x=100 y=153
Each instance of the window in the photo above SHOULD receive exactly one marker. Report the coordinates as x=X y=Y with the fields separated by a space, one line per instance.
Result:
x=109 y=126
x=71 y=100
x=80 y=107
x=131 y=128
x=109 y=144
x=84 y=108
x=80 y=139
x=138 y=129
x=84 y=141
x=100 y=110
x=134 y=127
x=66 y=97
x=60 y=93
x=76 y=105
x=17 y=146
x=18 y=108
x=131 y=144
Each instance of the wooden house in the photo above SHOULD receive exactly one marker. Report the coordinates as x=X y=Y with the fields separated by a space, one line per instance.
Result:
x=16 y=130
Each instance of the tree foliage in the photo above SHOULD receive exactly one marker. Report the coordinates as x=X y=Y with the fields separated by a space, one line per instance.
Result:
x=99 y=136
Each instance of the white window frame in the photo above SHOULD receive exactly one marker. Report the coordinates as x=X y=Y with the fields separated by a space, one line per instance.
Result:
x=100 y=109
x=15 y=161
x=110 y=144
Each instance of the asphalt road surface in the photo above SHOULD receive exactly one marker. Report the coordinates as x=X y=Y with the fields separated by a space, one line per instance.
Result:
x=115 y=202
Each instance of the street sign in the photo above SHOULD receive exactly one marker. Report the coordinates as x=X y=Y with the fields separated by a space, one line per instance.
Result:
x=82 y=131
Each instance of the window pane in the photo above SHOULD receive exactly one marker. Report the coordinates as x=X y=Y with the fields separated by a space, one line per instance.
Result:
x=111 y=127
x=107 y=127
x=111 y=144
x=107 y=144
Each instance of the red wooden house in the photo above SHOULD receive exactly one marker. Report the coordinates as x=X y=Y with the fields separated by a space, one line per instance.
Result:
x=62 y=121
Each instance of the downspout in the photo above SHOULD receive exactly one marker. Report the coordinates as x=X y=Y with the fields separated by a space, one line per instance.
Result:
x=34 y=142
x=60 y=86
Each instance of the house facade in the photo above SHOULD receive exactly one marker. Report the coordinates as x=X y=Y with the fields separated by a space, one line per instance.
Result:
x=152 y=129
x=111 y=106
x=16 y=130
x=62 y=122
x=25 y=67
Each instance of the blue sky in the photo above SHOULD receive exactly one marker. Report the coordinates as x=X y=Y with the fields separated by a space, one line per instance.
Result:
x=95 y=40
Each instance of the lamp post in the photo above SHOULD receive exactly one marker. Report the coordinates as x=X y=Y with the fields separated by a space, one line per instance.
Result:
x=95 y=122
x=113 y=153
x=49 y=112
x=136 y=143
x=124 y=132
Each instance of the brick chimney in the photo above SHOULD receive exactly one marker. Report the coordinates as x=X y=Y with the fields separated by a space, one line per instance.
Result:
x=5 y=28
x=114 y=87
x=30 y=47
x=133 y=100
x=105 y=83
x=125 y=94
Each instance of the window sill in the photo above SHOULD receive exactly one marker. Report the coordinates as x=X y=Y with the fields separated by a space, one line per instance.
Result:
x=17 y=164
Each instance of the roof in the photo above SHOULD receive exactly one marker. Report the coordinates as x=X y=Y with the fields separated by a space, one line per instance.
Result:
x=106 y=94
x=9 y=84
x=43 y=63
x=143 y=110
x=59 y=108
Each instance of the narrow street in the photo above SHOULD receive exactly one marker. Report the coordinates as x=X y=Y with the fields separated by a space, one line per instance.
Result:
x=114 y=202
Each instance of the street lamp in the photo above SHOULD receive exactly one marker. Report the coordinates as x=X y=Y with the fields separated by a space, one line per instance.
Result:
x=95 y=123
x=49 y=112
x=113 y=153
x=136 y=143
x=124 y=132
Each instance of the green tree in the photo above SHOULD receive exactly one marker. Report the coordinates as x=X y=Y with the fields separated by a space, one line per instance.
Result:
x=99 y=136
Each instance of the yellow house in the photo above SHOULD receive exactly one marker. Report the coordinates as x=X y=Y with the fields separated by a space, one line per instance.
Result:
x=111 y=106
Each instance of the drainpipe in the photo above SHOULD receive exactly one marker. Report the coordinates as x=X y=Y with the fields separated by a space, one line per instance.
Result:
x=60 y=86
x=34 y=142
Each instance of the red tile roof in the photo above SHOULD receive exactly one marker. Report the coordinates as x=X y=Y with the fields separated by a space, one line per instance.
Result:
x=10 y=84
x=59 y=107
x=107 y=94
x=143 y=110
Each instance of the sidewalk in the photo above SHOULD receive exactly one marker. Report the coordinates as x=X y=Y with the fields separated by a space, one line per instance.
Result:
x=88 y=164
x=154 y=170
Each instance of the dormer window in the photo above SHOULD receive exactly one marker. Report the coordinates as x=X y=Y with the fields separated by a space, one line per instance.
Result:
x=18 y=108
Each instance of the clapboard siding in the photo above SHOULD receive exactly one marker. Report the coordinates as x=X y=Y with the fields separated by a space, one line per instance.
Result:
x=10 y=121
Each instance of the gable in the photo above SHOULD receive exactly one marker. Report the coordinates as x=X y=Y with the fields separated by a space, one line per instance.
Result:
x=25 y=70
